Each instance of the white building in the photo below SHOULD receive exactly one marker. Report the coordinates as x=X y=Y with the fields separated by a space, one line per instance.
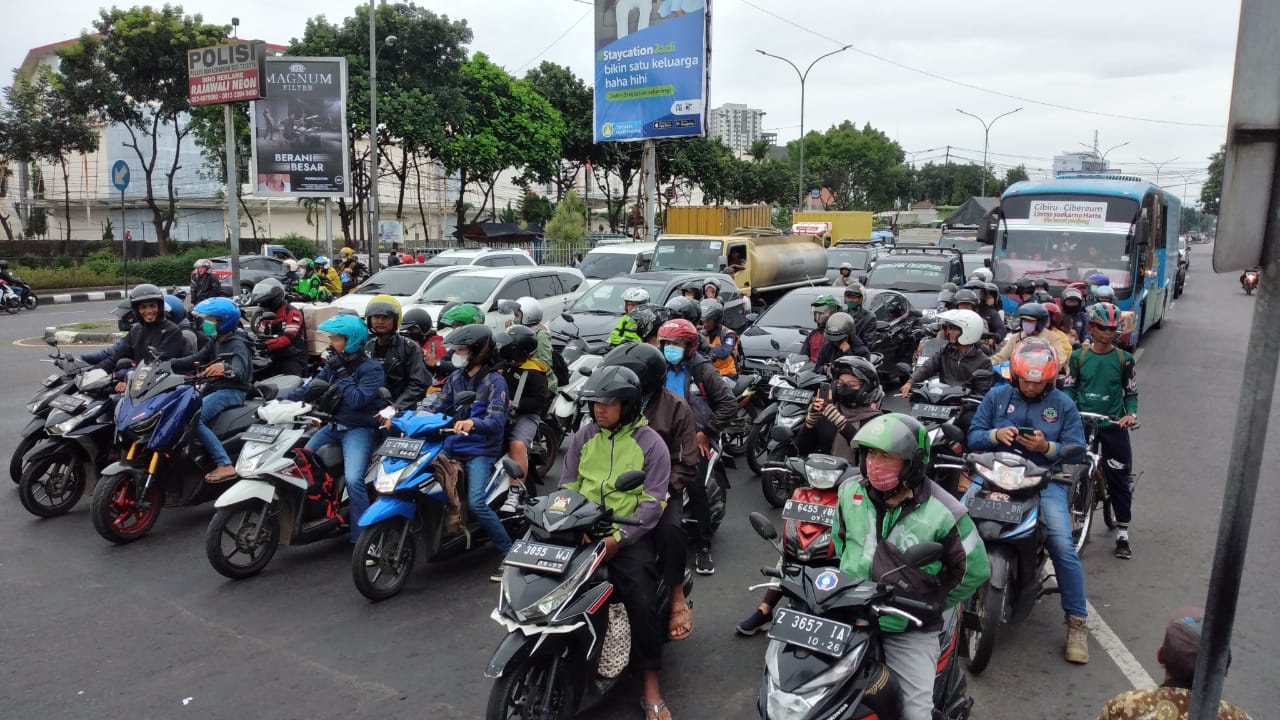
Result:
x=737 y=125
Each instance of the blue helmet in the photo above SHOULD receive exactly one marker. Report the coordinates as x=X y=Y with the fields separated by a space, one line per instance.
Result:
x=222 y=310
x=322 y=260
x=1098 y=279
x=350 y=327
x=173 y=307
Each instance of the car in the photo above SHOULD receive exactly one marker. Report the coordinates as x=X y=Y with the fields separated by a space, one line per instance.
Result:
x=480 y=257
x=788 y=321
x=554 y=287
x=405 y=283
x=963 y=243
x=862 y=258
x=608 y=261
x=595 y=313
x=253 y=269
x=1184 y=267
x=918 y=272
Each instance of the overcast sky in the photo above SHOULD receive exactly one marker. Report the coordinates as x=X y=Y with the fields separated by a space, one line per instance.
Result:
x=1168 y=61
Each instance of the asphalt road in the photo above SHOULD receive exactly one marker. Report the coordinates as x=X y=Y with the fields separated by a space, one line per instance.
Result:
x=150 y=630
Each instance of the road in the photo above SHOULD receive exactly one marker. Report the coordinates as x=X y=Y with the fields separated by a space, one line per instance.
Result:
x=149 y=630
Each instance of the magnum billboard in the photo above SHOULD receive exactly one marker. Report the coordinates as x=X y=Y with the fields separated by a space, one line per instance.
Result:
x=299 y=129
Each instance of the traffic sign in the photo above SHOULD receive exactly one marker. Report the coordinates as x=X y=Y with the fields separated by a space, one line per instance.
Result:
x=120 y=175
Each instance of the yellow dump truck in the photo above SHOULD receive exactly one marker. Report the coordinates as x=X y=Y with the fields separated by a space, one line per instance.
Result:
x=715 y=219
x=764 y=263
x=844 y=224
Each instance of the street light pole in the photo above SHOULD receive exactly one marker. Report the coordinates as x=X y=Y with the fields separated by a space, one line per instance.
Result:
x=986 y=141
x=1158 y=166
x=803 y=76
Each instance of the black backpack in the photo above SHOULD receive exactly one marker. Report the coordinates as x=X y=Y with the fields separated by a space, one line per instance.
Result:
x=560 y=368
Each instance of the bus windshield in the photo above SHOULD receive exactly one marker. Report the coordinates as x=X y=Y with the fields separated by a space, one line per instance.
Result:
x=1063 y=239
x=687 y=254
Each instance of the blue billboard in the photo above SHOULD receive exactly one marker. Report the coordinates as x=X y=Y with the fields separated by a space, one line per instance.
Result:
x=651 y=69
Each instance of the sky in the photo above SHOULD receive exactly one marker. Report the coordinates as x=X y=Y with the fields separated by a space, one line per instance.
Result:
x=911 y=66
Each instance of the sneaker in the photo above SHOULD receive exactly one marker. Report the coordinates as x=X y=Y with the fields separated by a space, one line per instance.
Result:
x=496 y=575
x=754 y=623
x=516 y=495
x=1123 y=551
x=703 y=563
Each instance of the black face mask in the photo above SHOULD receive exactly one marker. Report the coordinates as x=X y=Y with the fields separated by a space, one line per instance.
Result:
x=844 y=395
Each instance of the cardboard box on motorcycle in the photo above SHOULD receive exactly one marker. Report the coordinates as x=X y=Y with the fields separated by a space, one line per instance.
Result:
x=312 y=315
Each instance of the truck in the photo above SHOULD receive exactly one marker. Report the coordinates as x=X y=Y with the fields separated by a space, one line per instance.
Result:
x=843 y=224
x=715 y=219
x=764 y=262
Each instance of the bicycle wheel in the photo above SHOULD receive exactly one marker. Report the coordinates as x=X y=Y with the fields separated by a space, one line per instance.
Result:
x=1080 y=503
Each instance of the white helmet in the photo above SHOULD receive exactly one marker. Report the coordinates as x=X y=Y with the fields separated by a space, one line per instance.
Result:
x=530 y=311
x=970 y=324
x=635 y=295
x=291 y=265
x=982 y=274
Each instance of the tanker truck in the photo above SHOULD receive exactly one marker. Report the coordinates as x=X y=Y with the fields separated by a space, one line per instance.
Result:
x=764 y=263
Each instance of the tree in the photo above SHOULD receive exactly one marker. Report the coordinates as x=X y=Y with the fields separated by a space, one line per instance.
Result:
x=1017 y=174
x=567 y=226
x=574 y=100
x=508 y=214
x=208 y=127
x=1211 y=190
x=133 y=71
x=536 y=209
x=949 y=184
x=860 y=167
x=620 y=159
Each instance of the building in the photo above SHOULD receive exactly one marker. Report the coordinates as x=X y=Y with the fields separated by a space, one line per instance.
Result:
x=1074 y=162
x=737 y=125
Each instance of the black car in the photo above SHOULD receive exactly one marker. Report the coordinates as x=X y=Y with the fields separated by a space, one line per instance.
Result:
x=918 y=272
x=862 y=257
x=788 y=321
x=253 y=269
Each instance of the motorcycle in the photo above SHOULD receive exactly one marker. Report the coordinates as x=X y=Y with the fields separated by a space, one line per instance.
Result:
x=22 y=292
x=556 y=659
x=156 y=421
x=10 y=299
x=1004 y=502
x=54 y=385
x=286 y=494
x=791 y=393
x=825 y=657
x=896 y=342
x=809 y=512
x=80 y=434
x=582 y=358
x=938 y=406
x=716 y=482
x=1249 y=282
x=750 y=403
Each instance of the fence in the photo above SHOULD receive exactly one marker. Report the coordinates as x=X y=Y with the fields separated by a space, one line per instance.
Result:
x=543 y=253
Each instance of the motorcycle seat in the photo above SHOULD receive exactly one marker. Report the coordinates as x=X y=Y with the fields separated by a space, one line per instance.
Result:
x=743 y=382
x=275 y=387
x=233 y=420
x=330 y=456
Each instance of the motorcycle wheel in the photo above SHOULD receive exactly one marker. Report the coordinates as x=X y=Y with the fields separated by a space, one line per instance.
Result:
x=990 y=605
x=12 y=305
x=525 y=691
x=736 y=443
x=757 y=446
x=31 y=302
x=774 y=493
x=547 y=444
x=1080 y=503
x=51 y=487
x=115 y=509
x=249 y=531
x=386 y=576
x=1247 y=291
x=24 y=447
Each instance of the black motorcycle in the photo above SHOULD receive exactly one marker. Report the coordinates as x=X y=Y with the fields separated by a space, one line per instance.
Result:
x=56 y=384
x=80 y=432
x=790 y=394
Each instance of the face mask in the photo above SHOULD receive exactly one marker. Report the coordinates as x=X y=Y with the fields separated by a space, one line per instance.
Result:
x=1028 y=328
x=844 y=395
x=853 y=305
x=881 y=473
x=210 y=328
x=673 y=354
x=460 y=361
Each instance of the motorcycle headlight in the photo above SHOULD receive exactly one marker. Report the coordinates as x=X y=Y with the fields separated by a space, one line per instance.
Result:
x=33 y=407
x=1008 y=477
x=823 y=478
x=386 y=481
x=556 y=598
x=251 y=458
x=836 y=673
x=69 y=424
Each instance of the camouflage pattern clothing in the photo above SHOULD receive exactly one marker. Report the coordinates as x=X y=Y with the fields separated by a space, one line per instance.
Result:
x=1167 y=702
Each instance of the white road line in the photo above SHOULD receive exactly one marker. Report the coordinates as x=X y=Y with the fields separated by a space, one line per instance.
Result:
x=1114 y=647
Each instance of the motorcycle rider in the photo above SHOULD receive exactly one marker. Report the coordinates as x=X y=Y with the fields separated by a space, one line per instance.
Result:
x=845 y=278
x=620 y=441
x=625 y=330
x=204 y=284
x=1025 y=289
x=416 y=325
x=648 y=318
x=290 y=272
x=151 y=329
x=1074 y=315
x=329 y=276
x=946 y=297
x=228 y=361
x=1034 y=320
x=864 y=321
x=973 y=296
x=823 y=308
x=1102 y=379
x=406 y=372
x=692 y=290
x=722 y=341
x=895 y=507
x=12 y=280
x=1034 y=419
x=355 y=381
x=526 y=378
x=312 y=285
x=840 y=341
x=351 y=271
x=456 y=315
x=687 y=309
x=713 y=408
x=286 y=334
x=956 y=363
x=1244 y=274
x=710 y=289
x=528 y=312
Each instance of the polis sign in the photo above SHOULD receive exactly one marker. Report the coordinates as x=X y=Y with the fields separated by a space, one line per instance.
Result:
x=226 y=73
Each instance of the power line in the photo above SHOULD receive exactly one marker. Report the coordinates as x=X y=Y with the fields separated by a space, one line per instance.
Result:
x=556 y=41
x=971 y=86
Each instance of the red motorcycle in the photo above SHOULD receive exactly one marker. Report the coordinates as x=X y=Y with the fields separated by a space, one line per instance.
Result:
x=1249 y=281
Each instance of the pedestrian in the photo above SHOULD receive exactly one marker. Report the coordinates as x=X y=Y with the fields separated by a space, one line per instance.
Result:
x=393 y=257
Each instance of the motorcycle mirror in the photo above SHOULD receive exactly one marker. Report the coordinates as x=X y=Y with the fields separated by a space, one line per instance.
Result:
x=315 y=390
x=752 y=317
x=862 y=279
x=51 y=341
x=922 y=554
x=980 y=375
x=630 y=480
x=765 y=529
x=267 y=317
x=1073 y=454
x=512 y=468
x=464 y=398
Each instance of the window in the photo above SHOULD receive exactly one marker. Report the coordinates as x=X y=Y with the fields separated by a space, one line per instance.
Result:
x=517 y=288
x=570 y=282
x=499 y=261
x=544 y=286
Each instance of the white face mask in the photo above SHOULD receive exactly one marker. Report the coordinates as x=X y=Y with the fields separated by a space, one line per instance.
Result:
x=460 y=361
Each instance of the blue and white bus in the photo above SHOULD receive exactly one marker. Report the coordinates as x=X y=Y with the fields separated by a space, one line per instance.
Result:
x=1068 y=228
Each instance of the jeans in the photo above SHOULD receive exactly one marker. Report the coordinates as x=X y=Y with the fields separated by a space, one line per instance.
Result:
x=478 y=470
x=913 y=658
x=1062 y=550
x=357 y=447
x=210 y=407
x=1117 y=449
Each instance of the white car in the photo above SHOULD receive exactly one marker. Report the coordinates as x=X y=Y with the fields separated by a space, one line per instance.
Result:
x=405 y=283
x=480 y=257
x=609 y=261
x=554 y=287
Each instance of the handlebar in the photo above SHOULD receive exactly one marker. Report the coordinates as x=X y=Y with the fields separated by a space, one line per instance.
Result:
x=770 y=571
x=1104 y=420
x=912 y=605
x=626 y=521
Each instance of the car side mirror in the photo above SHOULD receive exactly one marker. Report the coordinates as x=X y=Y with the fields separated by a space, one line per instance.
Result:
x=565 y=316
x=986 y=262
x=765 y=529
x=862 y=279
x=773 y=343
x=922 y=554
x=628 y=481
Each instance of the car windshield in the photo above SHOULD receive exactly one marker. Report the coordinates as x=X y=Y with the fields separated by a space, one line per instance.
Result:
x=461 y=288
x=687 y=254
x=908 y=275
x=859 y=259
x=794 y=310
x=392 y=282
x=602 y=266
x=606 y=298
x=443 y=260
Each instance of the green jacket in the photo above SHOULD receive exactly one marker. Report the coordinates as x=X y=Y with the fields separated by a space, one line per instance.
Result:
x=309 y=286
x=939 y=517
x=1104 y=383
x=596 y=458
x=624 y=331
x=543 y=355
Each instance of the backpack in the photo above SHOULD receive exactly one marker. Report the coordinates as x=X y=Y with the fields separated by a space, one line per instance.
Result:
x=560 y=368
x=321 y=500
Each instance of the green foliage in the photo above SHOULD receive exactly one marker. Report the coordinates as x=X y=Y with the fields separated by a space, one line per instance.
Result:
x=536 y=209
x=108 y=230
x=300 y=246
x=508 y=214
x=567 y=227
x=861 y=167
x=1013 y=175
x=782 y=217
x=572 y=98
x=1211 y=190
x=41 y=278
x=948 y=184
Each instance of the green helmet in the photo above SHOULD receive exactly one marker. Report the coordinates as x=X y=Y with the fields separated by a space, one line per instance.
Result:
x=901 y=436
x=461 y=314
x=827 y=301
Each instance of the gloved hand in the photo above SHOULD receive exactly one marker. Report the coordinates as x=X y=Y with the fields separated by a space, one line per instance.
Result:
x=832 y=413
x=335 y=363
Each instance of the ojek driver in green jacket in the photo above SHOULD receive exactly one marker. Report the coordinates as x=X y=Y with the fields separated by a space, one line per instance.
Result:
x=894 y=507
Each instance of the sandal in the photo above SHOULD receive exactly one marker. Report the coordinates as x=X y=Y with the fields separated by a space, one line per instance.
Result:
x=220 y=477
x=655 y=711
x=681 y=624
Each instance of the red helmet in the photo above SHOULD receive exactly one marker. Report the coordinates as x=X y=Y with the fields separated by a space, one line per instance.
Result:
x=1034 y=360
x=1106 y=315
x=1055 y=313
x=679 y=329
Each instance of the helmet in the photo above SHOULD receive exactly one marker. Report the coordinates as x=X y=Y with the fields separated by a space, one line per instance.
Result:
x=969 y=323
x=1035 y=311
x=1024 y=286
x=173 y=308
x=854 y=290
x=680 y=329
x=383 y=305
x=1055 y=313
x=476 y=338
x=846 y=266
x=978 y=286
x=416 y=319
x=1098 y=279
x=826 y=301
x=993 y=290
x=1041 y=284
x=125 y=316
x=865 y=371
x=1072 y=293
x=1034 y=361
x=145 y=292
x=1042 y=296
x=839 y=327
x=692 y=286
x=685 y=308
x=305 y=264
x=712 y=310
x=203 y=263
x=459 y=314
x=645 y=320
x=710 y=283
x=965 y=295
x=530 y=311
x=267 y=294
x=291 y=265
x=322 y=260
x=901 y=436
x=635 y=295
x=615 y=383
x=349 y=327
x=347 y=251
x=1104 y=293
x=4 y=264
x=646 y=361
x=516 y=344
x=224 y=312
x=1106 y=315
x=946 y=297
x=982 y=274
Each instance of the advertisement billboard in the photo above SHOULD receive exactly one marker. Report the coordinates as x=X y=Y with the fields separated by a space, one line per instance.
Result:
x=651 y=69
x=225 y=73
x=299 y=129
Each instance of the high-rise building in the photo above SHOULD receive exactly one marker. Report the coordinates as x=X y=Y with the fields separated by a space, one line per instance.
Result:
x=737 y=125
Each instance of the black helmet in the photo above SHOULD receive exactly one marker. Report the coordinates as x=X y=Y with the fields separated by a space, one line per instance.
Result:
x=125 y=316
x=965 y=295
x=683 y=307
x=416 y=320
x=946 y=297
x=694 y=286
x=712 y=311
x=646 y=361
x=1035 y=311
x=146 y=292
x=385 y=305
x=516 y=344
x=4 y=264
x=1041 y=284
x=648 y=318
x=993 y=290
x=839 y=327
x=268 y=294
x=861 y=368
x=1024 y=286
x=1042 y=296
x=977 y=286
x=615 y=383
x=478 y=339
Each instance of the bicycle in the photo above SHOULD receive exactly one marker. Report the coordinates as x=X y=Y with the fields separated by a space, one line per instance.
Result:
x=1088 y=487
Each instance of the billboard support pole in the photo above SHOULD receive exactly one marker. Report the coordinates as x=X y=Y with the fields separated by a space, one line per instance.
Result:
x=233 y=212
x=649 y=160
x=328 y=224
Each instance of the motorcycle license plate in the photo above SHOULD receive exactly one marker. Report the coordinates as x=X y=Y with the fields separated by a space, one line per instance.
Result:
x=809 y=512
x=550 y=559
x=402 y=448
x=68 y=403
x=792 y=395
x=810 y=631
x=932 y=412
x=1004 y=511
x=262 y=433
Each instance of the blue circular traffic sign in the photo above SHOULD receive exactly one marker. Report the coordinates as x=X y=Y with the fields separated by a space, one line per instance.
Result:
x=120 y=175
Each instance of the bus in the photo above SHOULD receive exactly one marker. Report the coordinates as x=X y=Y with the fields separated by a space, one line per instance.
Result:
x=1066 y=229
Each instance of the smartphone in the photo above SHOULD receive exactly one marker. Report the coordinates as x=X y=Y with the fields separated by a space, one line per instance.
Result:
x=824 y=391
x=1026 y=431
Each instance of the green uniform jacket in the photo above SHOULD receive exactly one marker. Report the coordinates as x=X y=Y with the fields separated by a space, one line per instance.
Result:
x=1103 y=383
x=624 y=331
x=543 y=355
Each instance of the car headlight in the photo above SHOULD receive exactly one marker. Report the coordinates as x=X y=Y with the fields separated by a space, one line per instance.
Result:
x=556 y=598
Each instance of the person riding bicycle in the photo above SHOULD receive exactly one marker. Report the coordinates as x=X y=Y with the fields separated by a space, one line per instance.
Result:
x=840 y=341
x=285 y=334
x=415 y=324
x=619 y=441
x=1102 y=379
x=1034 y=419
x=895 y=507
x=151 y=330
x=407 y=378
x=332 y=282
x=864 y=321
x=722 y=341
x=823 y=308
x=1033 y=319
x=956 y=363
x=526 y=378
x=203 y=284
x=625 y=330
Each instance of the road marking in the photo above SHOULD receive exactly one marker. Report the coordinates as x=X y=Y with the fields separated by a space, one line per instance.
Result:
x=1111 y=643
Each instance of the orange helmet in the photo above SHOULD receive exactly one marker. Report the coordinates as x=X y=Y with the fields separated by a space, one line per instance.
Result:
x=1034 y=360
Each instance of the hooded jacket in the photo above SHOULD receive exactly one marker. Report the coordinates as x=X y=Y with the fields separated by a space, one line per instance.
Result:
x=239 y=363
x=489 y=412
x=356 y=381
x=672 y=419
x=406 y=371
x=596 y=458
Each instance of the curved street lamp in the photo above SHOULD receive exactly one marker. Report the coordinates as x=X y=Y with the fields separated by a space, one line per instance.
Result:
x=986 y=137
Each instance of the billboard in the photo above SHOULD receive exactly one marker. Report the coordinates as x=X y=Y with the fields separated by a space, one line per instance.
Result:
x=225 y=73
x=299 y=129
x=651 y=69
